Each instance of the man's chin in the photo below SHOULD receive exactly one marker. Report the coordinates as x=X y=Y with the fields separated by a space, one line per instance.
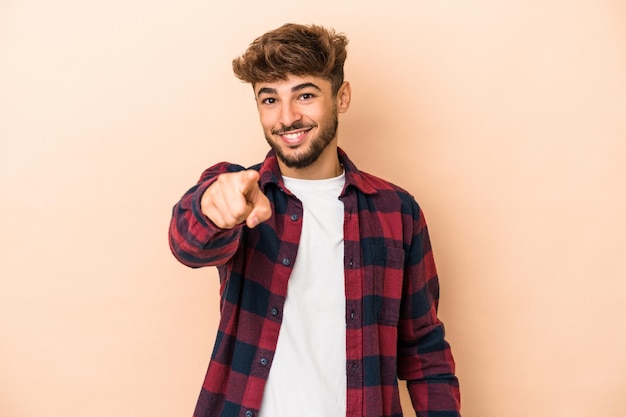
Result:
x=297 y=163
x=299 y=156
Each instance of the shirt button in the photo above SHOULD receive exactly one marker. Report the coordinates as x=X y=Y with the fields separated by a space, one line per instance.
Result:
x=350 y=263
x=249 y=413
x=352 y=315
x=294 y=217
x=286 y=261
x=274 y=312
x=264 y=361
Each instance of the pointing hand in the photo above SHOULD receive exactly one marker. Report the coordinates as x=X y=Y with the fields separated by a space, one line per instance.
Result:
x=235 y=197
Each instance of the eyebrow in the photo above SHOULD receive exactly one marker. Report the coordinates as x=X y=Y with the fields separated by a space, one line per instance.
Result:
x=268 y=90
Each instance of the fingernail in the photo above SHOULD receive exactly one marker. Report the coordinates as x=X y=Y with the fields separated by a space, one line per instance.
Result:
x=253 y=222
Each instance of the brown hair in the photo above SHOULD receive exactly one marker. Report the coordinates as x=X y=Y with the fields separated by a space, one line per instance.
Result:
x=294 y=49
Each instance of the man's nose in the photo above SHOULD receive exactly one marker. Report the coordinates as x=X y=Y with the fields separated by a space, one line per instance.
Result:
x=289 y=114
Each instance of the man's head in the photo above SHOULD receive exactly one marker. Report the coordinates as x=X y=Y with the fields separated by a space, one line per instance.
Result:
x=296 y=72
x=294 y=49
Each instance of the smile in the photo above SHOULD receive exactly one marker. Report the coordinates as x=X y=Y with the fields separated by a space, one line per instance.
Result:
x=294 y=138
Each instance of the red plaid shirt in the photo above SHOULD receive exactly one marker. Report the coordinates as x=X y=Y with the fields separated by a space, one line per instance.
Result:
x=392 y=291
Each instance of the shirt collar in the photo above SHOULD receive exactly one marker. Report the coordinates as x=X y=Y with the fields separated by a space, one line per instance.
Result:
x=270 y=173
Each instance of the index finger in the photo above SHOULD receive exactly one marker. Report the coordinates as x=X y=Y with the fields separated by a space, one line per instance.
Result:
x=248 y=184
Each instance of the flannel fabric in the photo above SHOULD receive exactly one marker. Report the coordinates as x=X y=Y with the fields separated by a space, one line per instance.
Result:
x=392 y=293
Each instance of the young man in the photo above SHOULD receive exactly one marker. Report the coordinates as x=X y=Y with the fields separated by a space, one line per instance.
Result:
x=328 y=285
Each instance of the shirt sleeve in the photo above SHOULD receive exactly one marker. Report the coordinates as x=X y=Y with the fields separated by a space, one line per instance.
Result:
x=424 y=356
x=194 y=240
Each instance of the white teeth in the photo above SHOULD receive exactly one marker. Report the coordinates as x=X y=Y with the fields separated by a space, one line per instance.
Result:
x=292 y=135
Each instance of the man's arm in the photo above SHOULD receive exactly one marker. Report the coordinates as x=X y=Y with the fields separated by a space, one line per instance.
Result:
x=207 y=221
x=424 y=356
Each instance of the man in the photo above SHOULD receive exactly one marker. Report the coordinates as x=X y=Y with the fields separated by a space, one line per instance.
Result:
x=328 y=285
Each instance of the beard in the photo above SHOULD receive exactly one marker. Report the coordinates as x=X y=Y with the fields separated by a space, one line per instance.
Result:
x=316 y=144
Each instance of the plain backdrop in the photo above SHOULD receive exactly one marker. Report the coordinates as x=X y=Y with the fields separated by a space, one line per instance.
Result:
x=506 y=120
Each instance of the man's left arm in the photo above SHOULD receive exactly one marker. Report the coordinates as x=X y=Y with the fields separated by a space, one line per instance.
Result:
x=424 y=356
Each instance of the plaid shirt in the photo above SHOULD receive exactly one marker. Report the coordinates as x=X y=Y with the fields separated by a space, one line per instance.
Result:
x=392 y=291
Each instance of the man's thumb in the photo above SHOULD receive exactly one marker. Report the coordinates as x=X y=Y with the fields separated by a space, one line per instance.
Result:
x=261 y=208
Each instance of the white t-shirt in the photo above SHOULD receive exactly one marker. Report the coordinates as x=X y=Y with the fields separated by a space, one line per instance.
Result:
x=308 y=373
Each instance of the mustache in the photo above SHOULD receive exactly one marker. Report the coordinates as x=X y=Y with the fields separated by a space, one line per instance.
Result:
x=297 y=125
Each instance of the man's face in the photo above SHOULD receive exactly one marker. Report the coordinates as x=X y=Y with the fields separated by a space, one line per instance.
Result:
x=299 y=118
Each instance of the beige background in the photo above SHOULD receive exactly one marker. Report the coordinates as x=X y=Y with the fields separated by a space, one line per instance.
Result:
x=506 y=119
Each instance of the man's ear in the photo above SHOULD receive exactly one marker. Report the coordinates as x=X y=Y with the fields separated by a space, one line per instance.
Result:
x=343 y=97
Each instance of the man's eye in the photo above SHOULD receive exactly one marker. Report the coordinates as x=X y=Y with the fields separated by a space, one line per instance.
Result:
x=306 y=96
x=268 y=100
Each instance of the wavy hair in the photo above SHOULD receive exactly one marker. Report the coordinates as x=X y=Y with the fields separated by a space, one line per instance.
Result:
x=294 y=49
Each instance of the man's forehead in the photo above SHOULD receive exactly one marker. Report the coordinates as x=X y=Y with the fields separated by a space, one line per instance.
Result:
x=291 y=83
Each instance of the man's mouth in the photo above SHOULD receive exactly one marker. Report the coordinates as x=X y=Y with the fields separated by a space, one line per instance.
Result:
x=294 y=137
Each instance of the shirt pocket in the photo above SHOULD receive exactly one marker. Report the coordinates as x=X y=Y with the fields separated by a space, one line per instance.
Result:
x=384 y=275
